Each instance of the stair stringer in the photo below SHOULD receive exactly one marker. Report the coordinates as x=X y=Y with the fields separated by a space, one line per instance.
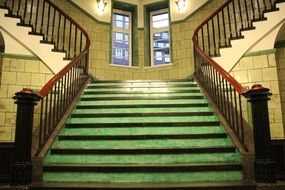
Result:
x=54 y=60
x=230 y=56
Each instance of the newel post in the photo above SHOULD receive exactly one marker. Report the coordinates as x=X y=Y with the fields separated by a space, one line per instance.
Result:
x=258 y=96
x=21 y=169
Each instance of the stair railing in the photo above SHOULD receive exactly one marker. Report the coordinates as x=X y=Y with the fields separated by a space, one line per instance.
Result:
x=57 y=28
x=230 y=97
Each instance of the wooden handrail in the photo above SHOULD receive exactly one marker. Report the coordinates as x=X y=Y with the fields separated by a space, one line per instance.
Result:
x=46 y=88
x=239 y=88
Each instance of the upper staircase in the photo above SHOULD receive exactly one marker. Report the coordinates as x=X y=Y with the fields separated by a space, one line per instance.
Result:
x=237 y=27
x=55 y=39
x=267 y=25
x=143 y=134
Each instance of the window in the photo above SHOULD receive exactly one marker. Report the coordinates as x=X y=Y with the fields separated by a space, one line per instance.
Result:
x=122 y=32
x=159 y=37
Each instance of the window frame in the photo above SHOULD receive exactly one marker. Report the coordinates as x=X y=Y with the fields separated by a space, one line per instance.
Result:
x=123 y=31
x=156 y=30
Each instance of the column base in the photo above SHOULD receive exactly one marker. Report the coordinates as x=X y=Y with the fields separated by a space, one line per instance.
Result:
x=265 y=171
x=21 y=173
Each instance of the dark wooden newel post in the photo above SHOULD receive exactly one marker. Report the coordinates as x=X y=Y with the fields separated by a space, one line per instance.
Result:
x=21 y=169
x=258 y=96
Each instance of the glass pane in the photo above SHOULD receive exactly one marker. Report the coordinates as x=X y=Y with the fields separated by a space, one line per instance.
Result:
x=161 y=56
x=163 y=16
x=161 y=40
x=118 y=17
x=161 y=20
x=120 y=48
x=121 y=21
x=120 y=39
x=121 y=56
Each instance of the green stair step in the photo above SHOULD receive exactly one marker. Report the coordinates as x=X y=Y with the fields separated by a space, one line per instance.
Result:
x=138 y=102
x=91 y=97
x=143 y=159
x=141 y=112
x=142 y=137
x=142 y=131
x=138 y=144
x=142 y=85
x=157 y=95
x=220 y=185
x=103 y=83
x=143 y=151
x=155 y=177
x=145 y=89
x=130 y=120
x=146 y=168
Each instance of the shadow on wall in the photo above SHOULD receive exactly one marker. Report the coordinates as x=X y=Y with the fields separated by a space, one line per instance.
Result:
x=2 y=49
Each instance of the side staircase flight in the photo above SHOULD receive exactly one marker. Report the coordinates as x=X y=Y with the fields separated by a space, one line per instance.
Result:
x=143 y=135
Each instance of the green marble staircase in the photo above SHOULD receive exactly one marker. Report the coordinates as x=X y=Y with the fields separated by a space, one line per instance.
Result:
x=143 y=134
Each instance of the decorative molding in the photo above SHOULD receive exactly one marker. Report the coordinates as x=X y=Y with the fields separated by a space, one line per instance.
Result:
x=19 y=56
x=262 y=52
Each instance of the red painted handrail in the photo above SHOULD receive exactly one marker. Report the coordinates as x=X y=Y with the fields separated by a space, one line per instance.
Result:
x=47 y=87
x=236 y=85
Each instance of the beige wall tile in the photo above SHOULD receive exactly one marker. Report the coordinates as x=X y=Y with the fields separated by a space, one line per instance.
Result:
x=17 y=65
x=32 y=66
x=12 y=89
x=3 y=91
x=278 y=115
x=6 y=105
x=274 y=102
x=8 y=77
x=6 y=134
x=37 y=79
x=269 y=74
x=260 y=61
x=274 y=87
x=246 y=63
x=277 y=131
x=23 y=79
x=44 y=69
x=255 y=75
x=241 y=76
x=6 y=64
x=10 y=119
x=2 y=119
x=271 y=60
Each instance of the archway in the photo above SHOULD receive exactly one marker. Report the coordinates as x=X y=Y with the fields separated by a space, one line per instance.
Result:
x=280 y=61
x=2 y=50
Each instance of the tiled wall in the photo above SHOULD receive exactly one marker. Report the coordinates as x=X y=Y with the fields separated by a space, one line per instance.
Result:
x=261 y=68
x=17 y=73
x=280 y=57
x=100 y=47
